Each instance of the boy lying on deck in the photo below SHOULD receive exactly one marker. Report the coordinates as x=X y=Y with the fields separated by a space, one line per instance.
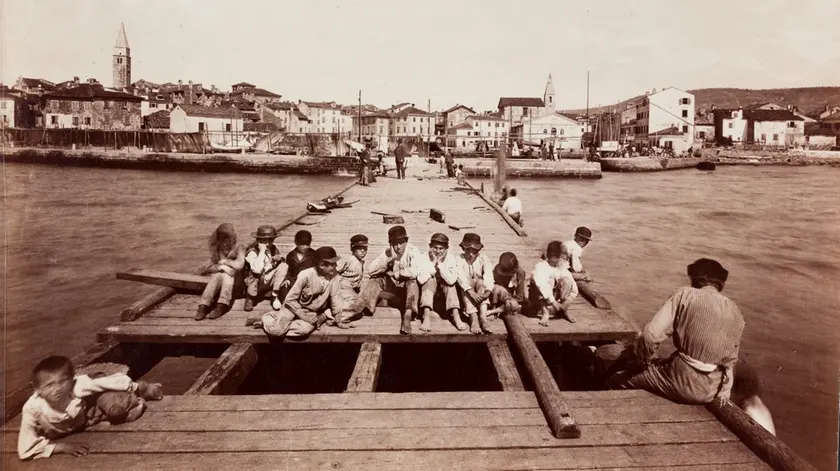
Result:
x=63 y=404
x=552 y=286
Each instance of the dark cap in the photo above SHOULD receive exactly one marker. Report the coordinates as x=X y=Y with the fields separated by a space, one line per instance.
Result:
x=583 y=232
x=358 y=240
x=471 y=240
x=507 y=265
x=554 y=249
x=707 y=268
x=303 y=238
x=397 y=234
x=439 y=239
x=326 y=254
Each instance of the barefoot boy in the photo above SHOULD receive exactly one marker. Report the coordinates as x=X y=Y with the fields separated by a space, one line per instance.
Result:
x=438 y=274
x=574 y=251
x=63 y=404
x=265 y=268
x=298 y=259
x=509 y=285
x=315 y=291
x=353 y=274
x=552 y=286
x=475 y=278
x=395 y=272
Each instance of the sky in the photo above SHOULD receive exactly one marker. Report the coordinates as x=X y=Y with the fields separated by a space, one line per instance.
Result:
x=446 y=51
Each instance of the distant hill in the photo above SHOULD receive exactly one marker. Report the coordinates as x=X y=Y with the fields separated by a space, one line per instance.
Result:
x=808 y=99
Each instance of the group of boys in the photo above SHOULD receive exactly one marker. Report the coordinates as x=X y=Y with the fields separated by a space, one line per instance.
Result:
x=316 y=286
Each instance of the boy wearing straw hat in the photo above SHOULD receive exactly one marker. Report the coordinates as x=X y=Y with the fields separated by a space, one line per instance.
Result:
x=265 y=268
x=475 y=278
x=552 y=286
x=313 y=298
x=439 y=274
x=395 y=272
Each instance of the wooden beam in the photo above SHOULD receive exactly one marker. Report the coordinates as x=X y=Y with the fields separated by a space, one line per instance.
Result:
x=181 y=281
x=366 y=372
x=148 y=302
x=548 y=394
x=110 y=351
x=764 y=444
x=588 y=291
x=227 y=373
x=513 y=224
x=505 y=367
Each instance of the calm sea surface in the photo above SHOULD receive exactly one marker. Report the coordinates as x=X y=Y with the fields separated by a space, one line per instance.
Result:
x=777 y=230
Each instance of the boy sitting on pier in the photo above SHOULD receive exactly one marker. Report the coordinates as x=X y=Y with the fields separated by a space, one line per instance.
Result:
x=227 y=260
x=298 y=259
x=475 y=278
x=509 y=285
x=395 y=276
x=552 y=286
x=64 y=403
x=353 y=275
x=574 y=251
x=438 y=274
x=266 y=269
x=313 y=298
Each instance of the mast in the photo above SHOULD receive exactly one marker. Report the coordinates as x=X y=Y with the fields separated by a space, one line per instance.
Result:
x=360 y=116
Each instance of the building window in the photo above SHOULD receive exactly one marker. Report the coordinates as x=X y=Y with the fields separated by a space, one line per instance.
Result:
x=2 y=105
x=414 y=130
x=685 y=101
x=227 y=127
x=775 y=137
x=764 y=137
x=701 y=134
x=730 y=125
x=201 y=127
x=414 y=120
x=545 y=131
x=107 y=105
x=87 y=121
x=562 y=131
x=127 y=120
x=74 y=105
x=685 y=128
x=54 y=104
x=685 y=113
x=791 y=124
x=524 y=111
x=380 y=129
x=54 y=120
x=75 y=120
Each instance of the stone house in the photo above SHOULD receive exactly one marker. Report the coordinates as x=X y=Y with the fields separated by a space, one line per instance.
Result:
x=91 y=106
x=194 y=118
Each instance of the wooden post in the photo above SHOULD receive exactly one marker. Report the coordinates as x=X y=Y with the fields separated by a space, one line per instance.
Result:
x=764 y=444
x=366 y=372
x=227 y=373
x=147 y=303
x=548 y=394
x=505 y=367
x=500 y=172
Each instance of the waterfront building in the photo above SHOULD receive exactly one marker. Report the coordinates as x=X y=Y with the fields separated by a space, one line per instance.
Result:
x=411 y=122
x=518 y=110
x=456 y=115
x=775 y=127
x=562 y=130
x=194 y=118
x=376 y=125
x=324 y=116
x=91 y=106
x=647 y=120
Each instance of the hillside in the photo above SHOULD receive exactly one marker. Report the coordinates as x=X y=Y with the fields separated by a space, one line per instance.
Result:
x=808 y=99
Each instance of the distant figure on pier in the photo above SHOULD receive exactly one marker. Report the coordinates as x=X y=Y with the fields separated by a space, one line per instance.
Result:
x=706 y=327
x=64 y=404
x=450 y=164
x=298 y=259
x=266 y=268
x=475 y=278
x=400 y=154
x=364 y=168
x=745 y=391
x=459 y=174
x=314 y=298
x=513 y=207
x=509 y=287
x=395 y=272
x=227 y=260
x=438 y=276
x=574 y=250
x=552 y=287
x=354 y=276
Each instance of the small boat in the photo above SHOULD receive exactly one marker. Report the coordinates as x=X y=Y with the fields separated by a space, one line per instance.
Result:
x=710 y=166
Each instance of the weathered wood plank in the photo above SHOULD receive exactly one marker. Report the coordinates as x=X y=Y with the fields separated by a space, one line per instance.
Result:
x=151 y=300
x=548 y=394
x=725 y=456
x=182 y=281
x=513 y=225
x=227 y=373
x=505 y=367
x=764 y=444
x=443 y=438
x=366 y=372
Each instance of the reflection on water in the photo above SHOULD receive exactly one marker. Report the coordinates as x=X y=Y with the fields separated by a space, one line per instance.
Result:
x=776 y=230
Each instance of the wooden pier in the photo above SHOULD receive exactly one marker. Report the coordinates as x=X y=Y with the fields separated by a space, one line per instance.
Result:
x=515 y=425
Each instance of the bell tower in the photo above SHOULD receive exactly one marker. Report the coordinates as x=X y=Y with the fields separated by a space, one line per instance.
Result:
x=121 y=64
x=548 y=97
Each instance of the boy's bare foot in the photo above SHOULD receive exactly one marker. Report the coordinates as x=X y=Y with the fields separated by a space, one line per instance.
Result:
x=483 y=323
x=136 y=411
x=201 y=313
x=426 y=325
x=150 y=391
x=475 y=327
x=544 y=320
x=249 y=305
x=405 y=328
x=568 y=316
x=456 y=319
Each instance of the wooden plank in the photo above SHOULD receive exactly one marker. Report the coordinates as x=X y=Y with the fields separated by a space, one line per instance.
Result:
x=588 y=291
x=505 y=367
x=151 y=300
x=435 y=438
x=548 y=394
x=366 y=372
x=763 y=443
x=187 y=282
x=693 y=467
x=227 y=373
x=510 y=222
x=730 y=455
x=108 y=351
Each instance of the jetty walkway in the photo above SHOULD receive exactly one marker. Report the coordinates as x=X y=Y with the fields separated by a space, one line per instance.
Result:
x=513 y=424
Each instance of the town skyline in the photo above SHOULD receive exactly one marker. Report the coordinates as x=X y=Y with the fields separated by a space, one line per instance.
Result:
x=438 y=76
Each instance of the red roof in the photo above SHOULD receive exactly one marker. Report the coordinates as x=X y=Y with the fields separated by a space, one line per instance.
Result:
x=412 y=111
x=86 y=91
x=520 y=101
x=208 y=112
x=771 y=115
x=460 y=106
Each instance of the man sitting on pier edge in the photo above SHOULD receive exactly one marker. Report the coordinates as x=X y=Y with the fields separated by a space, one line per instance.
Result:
x=706 y=327
x=438 y=274
x=394 y=276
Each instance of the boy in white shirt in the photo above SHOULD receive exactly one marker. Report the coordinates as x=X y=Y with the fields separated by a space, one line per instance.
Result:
x=552 y=286
x=438 y=274
x=475 y=278
x=395 y=272
x=513 y=207
x=574 y=251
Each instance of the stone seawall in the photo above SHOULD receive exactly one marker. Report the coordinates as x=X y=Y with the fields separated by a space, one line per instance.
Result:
x=648 y=164
x=517 y=168
x=264 y=163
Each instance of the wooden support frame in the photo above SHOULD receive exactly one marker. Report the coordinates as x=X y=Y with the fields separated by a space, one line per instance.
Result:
x=556 y=411
x=180 y=281
x=366 y=372
x=505 y=367
x=227 y=373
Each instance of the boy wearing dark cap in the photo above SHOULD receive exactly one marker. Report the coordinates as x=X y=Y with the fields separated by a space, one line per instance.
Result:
x=438 y=274
x=475 y=278
x=353 y=274
x=509 y=284
x=299 y=258
x=395 y=272
x=265 y=268
x=574 y=249
x=313 y=298
x=552 y=286
x=706 y=327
